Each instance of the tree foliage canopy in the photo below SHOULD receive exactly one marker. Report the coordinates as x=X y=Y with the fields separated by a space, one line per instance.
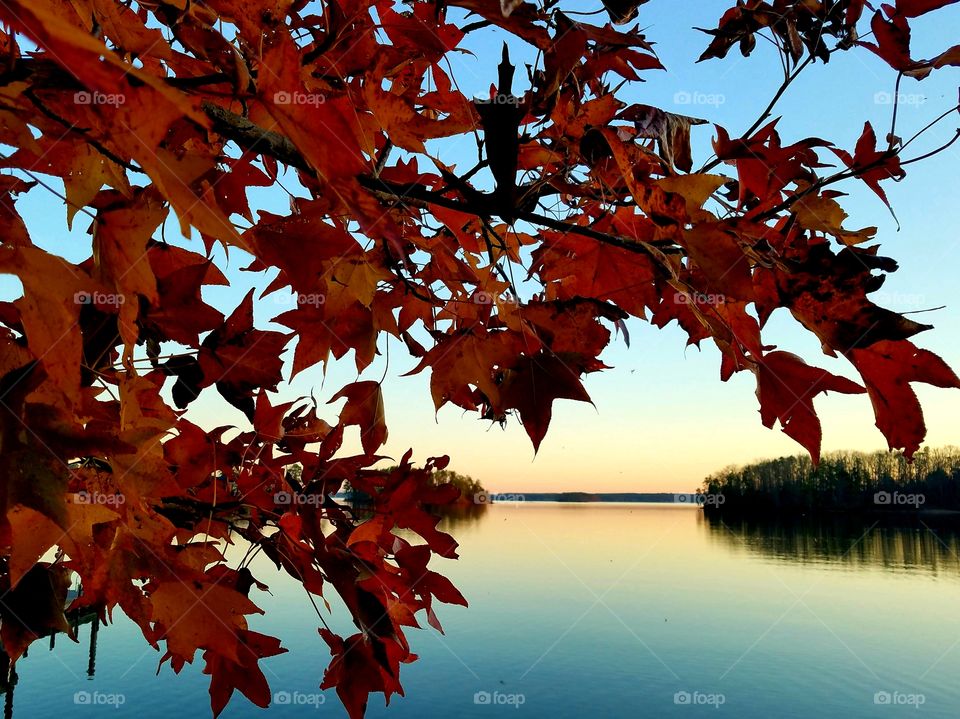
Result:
x=149 y=109
x=842 y=481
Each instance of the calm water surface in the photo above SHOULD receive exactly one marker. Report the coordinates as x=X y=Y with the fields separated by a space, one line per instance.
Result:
x=602 y=610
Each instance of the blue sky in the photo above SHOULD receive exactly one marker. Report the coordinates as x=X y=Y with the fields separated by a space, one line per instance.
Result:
x=662 y=419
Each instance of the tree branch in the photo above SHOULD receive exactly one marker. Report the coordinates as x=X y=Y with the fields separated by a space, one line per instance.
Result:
x=250 y=136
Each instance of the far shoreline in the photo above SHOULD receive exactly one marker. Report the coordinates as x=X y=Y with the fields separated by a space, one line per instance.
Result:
x=586 y=497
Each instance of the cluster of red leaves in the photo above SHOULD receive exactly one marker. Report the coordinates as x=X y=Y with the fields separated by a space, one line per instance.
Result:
x=146 y=108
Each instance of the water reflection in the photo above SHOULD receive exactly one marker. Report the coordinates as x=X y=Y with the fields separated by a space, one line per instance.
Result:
x=459 y=516
x=455 y=519
x=76 y=618
x=687 y=604
x=452 y=516
x=919 y=545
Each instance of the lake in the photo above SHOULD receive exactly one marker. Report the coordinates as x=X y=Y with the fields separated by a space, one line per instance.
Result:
x=616 y=610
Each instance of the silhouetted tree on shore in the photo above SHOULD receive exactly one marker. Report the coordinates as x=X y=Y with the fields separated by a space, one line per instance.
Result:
x=852 y=481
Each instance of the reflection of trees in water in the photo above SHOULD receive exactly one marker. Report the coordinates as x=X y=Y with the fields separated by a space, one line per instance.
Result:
x=451 y=516
x=76 y=618
x=460 y=515
x=919 y=545
x=8 y=680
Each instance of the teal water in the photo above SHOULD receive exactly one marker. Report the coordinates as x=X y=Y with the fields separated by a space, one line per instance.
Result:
x=600 y=610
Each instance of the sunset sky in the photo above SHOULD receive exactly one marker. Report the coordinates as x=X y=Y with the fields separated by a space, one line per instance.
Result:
x=662 y=420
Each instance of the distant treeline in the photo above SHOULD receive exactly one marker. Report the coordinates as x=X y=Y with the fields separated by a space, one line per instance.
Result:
x=592 y=497
x=843 y=481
